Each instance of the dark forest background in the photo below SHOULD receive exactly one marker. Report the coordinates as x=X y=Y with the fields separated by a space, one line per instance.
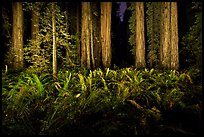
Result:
x=189 y=28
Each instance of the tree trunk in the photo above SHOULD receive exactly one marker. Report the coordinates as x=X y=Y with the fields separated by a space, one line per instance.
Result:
x=169 y=36
x=86 y=35
x=18 y=34
x=54 y=43
x=140 y=37
x=165 y=35
x=174 y=36
x=106 y=8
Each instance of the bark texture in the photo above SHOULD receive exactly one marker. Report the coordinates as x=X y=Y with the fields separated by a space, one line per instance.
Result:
x=174 y=36
x=169 y=54
x=140 y=37
x=17 y=35
x=165 y=35
x=106 y=8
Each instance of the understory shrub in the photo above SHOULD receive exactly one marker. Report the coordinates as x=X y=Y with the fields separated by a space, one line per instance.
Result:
x=126 y=101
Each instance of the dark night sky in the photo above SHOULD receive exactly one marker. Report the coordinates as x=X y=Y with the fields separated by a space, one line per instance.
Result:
x=123 y=7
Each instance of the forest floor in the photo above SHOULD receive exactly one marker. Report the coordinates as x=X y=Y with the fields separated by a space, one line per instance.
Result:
x=126 y=101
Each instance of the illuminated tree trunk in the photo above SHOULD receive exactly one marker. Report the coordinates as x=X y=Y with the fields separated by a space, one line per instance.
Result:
x=140 y=37
x=106 y=8
x=165 y=35
x=174 y=36
x=17 y=34
x=54 y=43
x=86 y=36
x=169 y=55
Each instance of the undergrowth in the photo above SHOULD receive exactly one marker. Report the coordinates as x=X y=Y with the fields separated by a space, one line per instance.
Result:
x=125 y=101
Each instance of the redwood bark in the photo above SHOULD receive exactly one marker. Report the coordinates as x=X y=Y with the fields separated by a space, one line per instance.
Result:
x=106 y=8
x=169 y=55
x=17 y=34
x=174 y=36
x=165 y=35
x=140 y=37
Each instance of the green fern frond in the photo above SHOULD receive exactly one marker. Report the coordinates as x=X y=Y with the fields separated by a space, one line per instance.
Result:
x=39 y=85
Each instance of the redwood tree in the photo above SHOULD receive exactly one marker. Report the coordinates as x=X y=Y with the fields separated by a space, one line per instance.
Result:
x=85 y=35
x=174 y=36
x=17 y=34
x=140 y=37
x=165 y=35
x=106 y=8
x=169 y=55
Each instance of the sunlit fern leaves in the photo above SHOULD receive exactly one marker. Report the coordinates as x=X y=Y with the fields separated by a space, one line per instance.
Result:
x=82 y=82
x=89 y=80
x=105 y=84
x=147 y=93
x=39 y=85
x=66 y=84
x=123 y=91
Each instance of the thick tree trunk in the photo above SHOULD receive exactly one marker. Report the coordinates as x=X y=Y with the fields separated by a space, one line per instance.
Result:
x=140 y=37
x=174 y=36
x=169 y=36
x=165 y=35
x=18 y=34
x=54 y=43
x=85 y=37
x=90 y=35
x=106 y=8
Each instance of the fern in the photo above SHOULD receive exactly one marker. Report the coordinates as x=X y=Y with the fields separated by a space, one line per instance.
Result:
x=39 y=85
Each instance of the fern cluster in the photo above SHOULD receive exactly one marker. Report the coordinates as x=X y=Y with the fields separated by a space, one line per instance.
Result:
x=126 y=101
